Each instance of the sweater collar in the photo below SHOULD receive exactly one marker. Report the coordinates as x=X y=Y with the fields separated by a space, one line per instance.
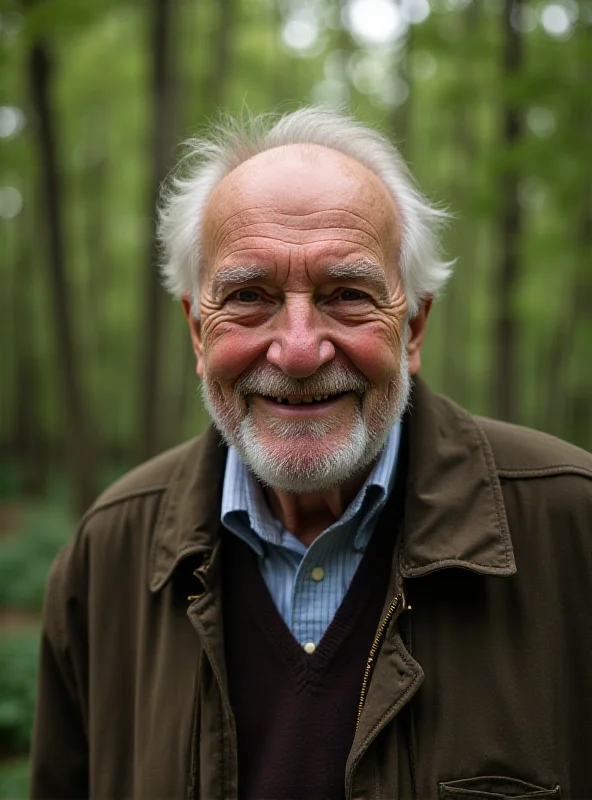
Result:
x=454 y=512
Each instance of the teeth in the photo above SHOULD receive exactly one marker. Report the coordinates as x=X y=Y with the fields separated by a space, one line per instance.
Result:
x=296 y=401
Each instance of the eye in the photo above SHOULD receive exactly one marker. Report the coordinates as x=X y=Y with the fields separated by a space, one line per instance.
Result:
x=350 y=295
x=246 y=296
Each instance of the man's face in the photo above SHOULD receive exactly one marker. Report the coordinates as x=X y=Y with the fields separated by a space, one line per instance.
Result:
x=301 y=342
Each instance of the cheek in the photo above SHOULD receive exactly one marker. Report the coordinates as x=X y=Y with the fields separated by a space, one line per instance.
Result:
x=373 y=351
x=230 y=350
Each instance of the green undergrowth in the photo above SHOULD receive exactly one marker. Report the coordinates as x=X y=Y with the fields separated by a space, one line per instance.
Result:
x=14 y=779
x=26 y=555
x=18 y=675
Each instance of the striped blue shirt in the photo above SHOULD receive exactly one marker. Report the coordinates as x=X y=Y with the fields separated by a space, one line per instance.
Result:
x=307 y=584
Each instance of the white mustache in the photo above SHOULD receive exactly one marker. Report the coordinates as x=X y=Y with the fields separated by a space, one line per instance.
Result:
x=328 y=379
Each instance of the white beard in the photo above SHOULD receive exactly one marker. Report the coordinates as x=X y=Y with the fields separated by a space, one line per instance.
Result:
x=305 y=470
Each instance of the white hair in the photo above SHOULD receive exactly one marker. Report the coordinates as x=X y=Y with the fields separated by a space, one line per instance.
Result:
x=233 y=141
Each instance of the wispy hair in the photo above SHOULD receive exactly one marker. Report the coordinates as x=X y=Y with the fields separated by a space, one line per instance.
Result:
x=232 y=141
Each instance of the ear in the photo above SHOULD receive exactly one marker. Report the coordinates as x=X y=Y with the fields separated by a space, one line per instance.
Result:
x=195 y=333
x=417 y=327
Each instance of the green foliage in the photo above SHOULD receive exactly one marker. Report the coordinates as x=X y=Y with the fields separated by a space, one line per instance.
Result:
x=18 y=672
x=14 y=780
x=447 y=114
x=26 y=555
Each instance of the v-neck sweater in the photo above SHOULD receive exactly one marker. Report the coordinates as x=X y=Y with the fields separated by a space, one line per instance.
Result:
x=295 y=712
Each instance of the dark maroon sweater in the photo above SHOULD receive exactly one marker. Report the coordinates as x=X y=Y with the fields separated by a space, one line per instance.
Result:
x=296 y=713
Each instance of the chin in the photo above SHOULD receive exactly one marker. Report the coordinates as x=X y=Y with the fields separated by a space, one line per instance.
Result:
x=309 y=460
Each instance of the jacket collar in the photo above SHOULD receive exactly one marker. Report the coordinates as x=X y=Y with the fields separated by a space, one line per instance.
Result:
x=188 y=523
x=454 y=512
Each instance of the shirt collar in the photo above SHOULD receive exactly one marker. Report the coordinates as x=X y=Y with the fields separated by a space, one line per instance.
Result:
x=244 y=508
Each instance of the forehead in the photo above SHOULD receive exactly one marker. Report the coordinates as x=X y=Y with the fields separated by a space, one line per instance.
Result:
x=293 y=191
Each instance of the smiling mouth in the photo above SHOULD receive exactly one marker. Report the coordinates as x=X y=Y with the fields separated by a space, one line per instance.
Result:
x=303 y=399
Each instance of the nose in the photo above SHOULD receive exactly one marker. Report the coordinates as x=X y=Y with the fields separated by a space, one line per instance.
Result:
x=299 y=345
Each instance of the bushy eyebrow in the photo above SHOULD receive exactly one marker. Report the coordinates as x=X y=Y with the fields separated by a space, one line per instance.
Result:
x=235 y=276
x=363 y=270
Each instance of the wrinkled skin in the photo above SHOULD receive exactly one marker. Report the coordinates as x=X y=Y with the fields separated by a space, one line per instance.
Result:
x=279 y=235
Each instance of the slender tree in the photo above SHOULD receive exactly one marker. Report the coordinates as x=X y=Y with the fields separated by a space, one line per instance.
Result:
x=510 y=217
x=580 y=411
x=455 y=376
x=82 y=466
x=401 y=116
x=30 y=444
x=222 y=50
x=163 y=84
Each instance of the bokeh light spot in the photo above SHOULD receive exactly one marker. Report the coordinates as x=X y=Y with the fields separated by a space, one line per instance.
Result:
x=541 y=122
x=12 y=121
x=393 y=93
x=415 y=11
x=556 y=21
x=374 y=21
x=367 y=72
x=301 y=31
x=422 y=65
x=11 y=202
x=330 y=92
x=532 y=193
x=523 y=18
x=11 y=23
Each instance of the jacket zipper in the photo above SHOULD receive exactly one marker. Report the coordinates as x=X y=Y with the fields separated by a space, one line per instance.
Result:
x=373 y=651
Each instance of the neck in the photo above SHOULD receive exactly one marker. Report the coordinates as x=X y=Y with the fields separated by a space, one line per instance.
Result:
x=306 y=516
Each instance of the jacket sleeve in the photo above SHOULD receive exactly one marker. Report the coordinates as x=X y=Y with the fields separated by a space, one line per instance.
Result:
x=59 y=757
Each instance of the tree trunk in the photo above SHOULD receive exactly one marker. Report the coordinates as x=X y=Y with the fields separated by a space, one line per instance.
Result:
x=401 y=115
x=95 y=233
x=510 y=222
x=29 y=441
x=163 y=143
x=580 y=407
x=81 y=462
x=456 y=304
x=221 y=56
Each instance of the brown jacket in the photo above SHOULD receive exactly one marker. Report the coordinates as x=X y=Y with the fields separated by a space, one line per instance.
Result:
x=488 y=674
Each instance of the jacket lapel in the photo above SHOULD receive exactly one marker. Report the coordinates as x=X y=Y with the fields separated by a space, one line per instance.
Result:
x=453 y=517
x=189 y=519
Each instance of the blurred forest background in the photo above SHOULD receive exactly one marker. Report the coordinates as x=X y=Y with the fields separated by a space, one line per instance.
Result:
x=490 y=103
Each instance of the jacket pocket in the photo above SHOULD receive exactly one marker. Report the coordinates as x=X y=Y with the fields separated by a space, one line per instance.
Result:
x=494 y=787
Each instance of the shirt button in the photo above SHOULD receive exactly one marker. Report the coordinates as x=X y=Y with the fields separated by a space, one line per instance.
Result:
x=317 y=574
x=309 y=648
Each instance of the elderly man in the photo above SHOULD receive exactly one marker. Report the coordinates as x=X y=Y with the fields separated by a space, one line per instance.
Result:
x=349 y=587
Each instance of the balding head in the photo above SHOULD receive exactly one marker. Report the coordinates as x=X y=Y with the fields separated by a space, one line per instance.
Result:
x=296 y=188
x=235 y=142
